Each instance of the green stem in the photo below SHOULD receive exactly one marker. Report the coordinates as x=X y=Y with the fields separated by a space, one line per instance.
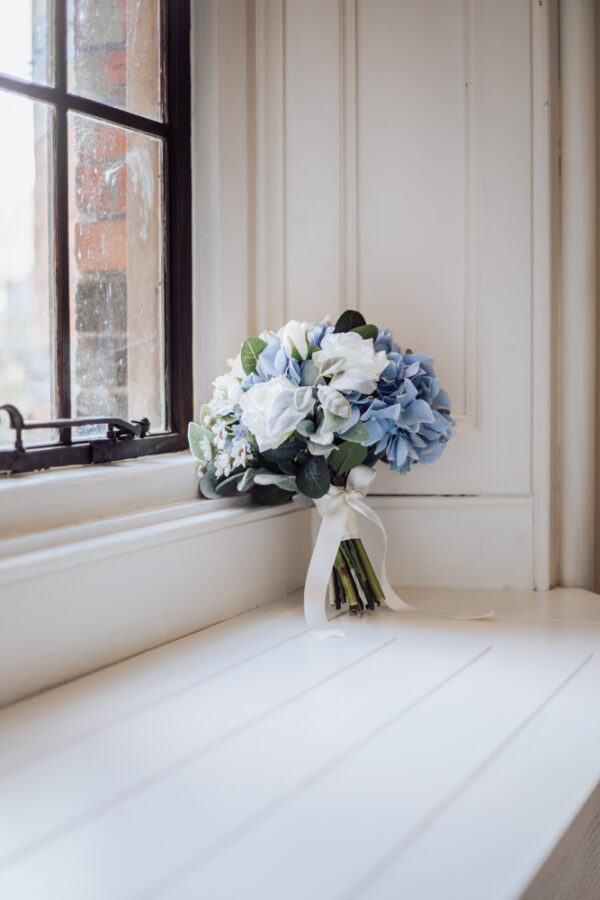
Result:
x=354 y=603
x=357 y=571
x=338 y=589
x=370 y=572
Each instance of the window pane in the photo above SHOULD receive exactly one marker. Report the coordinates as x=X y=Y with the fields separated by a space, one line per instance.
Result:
x=114 y=53
x=26 y=283
x=25 y=31
x=117 y=308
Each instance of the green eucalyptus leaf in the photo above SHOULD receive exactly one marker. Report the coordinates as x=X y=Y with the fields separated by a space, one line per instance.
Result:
x=313 y=479
x=306 y=427
x=251 y=350
x=346 y=456
x=367 y=331
x=208 y=483
x=349 y=320
x=197 y=434
x=247 y=480
x=310 y=373
x=228 y=487
x=357 y=434
x=285 y=482
x=286 y=451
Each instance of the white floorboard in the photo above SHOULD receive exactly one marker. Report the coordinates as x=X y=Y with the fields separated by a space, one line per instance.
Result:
x=420 y=757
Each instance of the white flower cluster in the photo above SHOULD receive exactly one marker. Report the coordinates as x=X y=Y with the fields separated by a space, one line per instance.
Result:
x=214 y=441
x=272 y=410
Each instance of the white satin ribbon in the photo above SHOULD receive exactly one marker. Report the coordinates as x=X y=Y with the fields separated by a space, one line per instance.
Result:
x=338 y=510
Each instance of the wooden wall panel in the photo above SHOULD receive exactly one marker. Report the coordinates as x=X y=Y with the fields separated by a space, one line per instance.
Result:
x=404 y=134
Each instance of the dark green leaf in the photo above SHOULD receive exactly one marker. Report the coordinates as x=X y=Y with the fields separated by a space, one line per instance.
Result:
x=346 y=456
x=228 y=486
x=367 y=331
x=251 y=350
x=272 y=459
x=349 y=320
x=269 y=495
x=313 y=479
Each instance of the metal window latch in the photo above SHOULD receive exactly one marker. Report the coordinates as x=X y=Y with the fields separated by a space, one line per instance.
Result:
x=101 y=449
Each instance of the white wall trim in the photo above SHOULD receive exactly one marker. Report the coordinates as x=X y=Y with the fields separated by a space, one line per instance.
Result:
x=545 y=250
x=270 y=164
x=578 y=321
x=454 y=542
x=469 y=421
x=349 y=261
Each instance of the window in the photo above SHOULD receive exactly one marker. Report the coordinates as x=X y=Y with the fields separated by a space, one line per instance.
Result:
x=95 y=268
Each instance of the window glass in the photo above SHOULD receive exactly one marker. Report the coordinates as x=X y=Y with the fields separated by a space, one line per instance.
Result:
x=26 y=279
x=114 y=53
x=116 y=275
x=25 y=40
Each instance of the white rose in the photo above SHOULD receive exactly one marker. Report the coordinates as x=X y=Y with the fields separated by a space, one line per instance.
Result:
x=354 y=352
x=256 y=405
x=227 y=394
x=294 y=339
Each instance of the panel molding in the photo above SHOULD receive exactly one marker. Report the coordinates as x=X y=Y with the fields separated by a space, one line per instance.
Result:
x=349 y=259
x=459 y=542
x=271 y=279
x=453 y=542
x=468 y=420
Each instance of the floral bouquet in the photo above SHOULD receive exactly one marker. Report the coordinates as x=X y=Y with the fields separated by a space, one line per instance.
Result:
x=305 y=413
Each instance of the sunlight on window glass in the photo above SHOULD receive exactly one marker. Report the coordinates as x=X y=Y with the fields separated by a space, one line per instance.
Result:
x=116 y=273
x=25 y=260
x=114 y=53
x=25 y=50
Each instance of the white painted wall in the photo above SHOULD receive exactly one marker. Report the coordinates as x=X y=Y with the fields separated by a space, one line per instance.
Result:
x=396 y=143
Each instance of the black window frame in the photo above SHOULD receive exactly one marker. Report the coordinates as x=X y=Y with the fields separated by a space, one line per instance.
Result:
x=175 y=132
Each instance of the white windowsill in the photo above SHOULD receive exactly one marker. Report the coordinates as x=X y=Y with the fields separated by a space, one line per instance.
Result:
x=421 y=728
x=54 y=499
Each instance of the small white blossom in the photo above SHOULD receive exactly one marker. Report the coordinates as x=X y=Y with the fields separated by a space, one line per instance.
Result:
x=219 y=430
x=202 y=467
x=206 y=449
x=222 y=464
x=240 y=450
x=226 y=396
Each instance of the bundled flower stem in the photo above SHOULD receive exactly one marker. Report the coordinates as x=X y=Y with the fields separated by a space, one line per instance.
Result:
x=354 y=579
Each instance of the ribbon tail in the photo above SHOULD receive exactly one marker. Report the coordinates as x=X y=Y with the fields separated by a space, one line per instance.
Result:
x=391 y=597
x=319 y=573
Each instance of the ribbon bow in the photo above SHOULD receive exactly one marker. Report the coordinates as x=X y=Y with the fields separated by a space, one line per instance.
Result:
x=338 y=509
